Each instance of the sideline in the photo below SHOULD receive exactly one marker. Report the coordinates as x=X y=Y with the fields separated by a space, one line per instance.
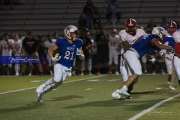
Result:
x=25 y=89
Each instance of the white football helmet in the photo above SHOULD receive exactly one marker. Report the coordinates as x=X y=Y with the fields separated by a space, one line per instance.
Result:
x=69 y=30
x=160 y=31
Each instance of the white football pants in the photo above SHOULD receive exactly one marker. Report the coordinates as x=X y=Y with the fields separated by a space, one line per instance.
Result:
x=60 y=74
x=169 y=63
x=132 y=58
x=177 y=66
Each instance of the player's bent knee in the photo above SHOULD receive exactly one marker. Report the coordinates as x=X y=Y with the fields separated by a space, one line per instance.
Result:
x=56 y=84
x=58 y=80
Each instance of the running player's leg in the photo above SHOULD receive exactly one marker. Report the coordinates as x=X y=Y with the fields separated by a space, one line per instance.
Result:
x=59 y=77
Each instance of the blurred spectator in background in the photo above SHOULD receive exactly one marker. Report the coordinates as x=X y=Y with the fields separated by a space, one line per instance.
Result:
x=49 y=40
x=149 y=26
x=17 y=49
x=113 y=44
x=89 y=17
x=89 y=49
x=30 y=47
x=101 y=58
x=6 y=50
x=112 y=13
x=42 y=52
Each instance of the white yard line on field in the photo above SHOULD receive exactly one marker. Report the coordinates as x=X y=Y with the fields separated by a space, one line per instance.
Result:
x=24 y=89
x=137 y=116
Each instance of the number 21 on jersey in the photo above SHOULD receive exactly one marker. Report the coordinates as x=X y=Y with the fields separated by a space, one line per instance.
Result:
x=69 y=55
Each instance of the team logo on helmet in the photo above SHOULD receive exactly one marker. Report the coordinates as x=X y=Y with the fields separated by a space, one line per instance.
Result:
x=130 y=22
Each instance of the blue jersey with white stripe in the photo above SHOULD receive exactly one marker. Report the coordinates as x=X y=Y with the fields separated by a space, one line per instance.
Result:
x=169 y=40
x=144 y=44
x=68 y=51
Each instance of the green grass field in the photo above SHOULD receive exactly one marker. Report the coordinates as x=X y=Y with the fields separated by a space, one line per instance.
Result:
x=87 y=98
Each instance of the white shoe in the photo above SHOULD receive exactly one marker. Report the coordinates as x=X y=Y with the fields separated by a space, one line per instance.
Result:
x=117 y=73
x=168 y=83
x=30 y=74
x=116 y=95
x=172 y=87
x=82 y=74
x=17 y=74
x=124 y=93
x=39 y=97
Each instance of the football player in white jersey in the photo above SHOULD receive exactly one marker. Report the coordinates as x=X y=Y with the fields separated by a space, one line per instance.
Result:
x=169 y=40
x=176 y=60
x=144 y=45
x=128 y=36
x=113 y=44
x=68 y=47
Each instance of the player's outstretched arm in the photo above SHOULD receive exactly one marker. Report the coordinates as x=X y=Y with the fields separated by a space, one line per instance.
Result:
x=80 y=53
x=158 y=44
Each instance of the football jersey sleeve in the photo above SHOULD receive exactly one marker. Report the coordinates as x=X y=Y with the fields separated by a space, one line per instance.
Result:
x=59 y=42
x=122 y=35
x=79 y=43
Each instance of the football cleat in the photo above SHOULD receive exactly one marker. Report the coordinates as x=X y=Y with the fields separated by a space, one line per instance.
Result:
x=172 y=87
x=124 y=93
x=116 y=95
x=39 y=97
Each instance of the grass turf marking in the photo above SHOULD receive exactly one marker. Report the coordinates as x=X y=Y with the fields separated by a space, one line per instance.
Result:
x=142 y=113
x=24 y=89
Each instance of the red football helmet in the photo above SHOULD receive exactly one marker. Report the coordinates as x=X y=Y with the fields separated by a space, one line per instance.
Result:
x=131 y=22
x=171 y=26
x=130 y=25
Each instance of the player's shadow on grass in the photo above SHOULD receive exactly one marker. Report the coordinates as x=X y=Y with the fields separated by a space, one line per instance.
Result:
x=105 y=103
x=145 y=92
x=29 y=106
x=63 y=98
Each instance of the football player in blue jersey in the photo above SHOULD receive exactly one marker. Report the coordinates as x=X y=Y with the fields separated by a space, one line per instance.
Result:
x=144 y=45
x=67 y=47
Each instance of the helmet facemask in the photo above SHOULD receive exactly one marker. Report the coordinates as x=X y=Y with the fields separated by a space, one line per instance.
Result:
x=171 y=27
x=159 y=31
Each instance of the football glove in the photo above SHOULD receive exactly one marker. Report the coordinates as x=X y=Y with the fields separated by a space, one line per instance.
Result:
x=56 y=57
